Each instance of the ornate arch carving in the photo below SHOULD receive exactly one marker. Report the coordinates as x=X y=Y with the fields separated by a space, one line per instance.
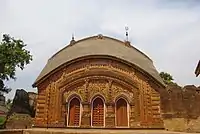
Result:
x=120 y=90
x=97 y=95
x=99 y=85
x=73 y=95
x=123 y=96
x=78 y=91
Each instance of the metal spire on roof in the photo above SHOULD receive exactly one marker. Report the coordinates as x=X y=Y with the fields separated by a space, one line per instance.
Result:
x=127 y=43
x=126 y=28
x=72 y=36
x=72 y=41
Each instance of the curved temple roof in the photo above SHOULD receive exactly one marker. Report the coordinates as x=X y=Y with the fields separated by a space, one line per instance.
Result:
x=100 y=45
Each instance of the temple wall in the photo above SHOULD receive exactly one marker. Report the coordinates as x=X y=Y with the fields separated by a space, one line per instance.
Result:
x=180 y=108
x=143 y=105
x=41 y=106
x=140 y=92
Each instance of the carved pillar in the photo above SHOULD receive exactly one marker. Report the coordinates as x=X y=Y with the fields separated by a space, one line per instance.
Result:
x=137 y=105
x=60 y=110
x=86 y=97
x=110 y=115
x=86 y=115
x=61 y=107
x=109 y=91
x=141 y=104
x=149 y=114
x=135 y=110
x=110 y=107
x=144 y=106
x=132 y=116
x=57 y=105
x=65 y=113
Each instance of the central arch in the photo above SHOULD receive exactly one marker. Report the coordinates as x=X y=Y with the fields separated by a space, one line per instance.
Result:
x=121 y=113
x=98 y=112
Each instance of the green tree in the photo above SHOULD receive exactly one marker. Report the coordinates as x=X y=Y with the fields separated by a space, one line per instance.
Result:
x=167 y=78
x=12 y=55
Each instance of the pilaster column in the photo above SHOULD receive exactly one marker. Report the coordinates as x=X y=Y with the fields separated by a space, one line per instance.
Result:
x=86 y=115
x=110 y=115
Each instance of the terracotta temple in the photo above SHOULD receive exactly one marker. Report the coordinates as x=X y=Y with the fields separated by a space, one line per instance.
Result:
x=99 y=82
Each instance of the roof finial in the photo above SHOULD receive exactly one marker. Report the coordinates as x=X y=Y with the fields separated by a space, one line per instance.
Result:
x=126 y=28
x=72 y=41
x=127 y=43
x=72 y=36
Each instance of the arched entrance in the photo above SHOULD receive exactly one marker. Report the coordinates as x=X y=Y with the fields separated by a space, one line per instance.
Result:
x=121 y=113
x=74 y=112
x=98 y=112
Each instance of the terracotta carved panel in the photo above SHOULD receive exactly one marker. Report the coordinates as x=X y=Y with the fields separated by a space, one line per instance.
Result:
x=90 y=78
x=97 y=87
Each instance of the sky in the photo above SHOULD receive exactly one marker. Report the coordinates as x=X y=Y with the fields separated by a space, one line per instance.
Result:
x=168 y=31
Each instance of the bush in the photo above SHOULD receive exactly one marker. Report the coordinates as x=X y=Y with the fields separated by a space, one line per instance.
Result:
x=2 y=122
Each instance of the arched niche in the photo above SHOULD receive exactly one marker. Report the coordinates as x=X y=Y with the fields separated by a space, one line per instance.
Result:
x=122 y=112
x=98 y=112
x=74 y=112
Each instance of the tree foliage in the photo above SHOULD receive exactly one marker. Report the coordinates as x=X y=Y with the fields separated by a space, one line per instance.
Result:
x=12 y=55
x=167 y=78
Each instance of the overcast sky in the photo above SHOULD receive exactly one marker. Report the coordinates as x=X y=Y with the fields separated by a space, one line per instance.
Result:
x=168 y=31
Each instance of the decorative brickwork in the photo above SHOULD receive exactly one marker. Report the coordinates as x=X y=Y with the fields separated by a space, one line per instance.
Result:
x=103 y=77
